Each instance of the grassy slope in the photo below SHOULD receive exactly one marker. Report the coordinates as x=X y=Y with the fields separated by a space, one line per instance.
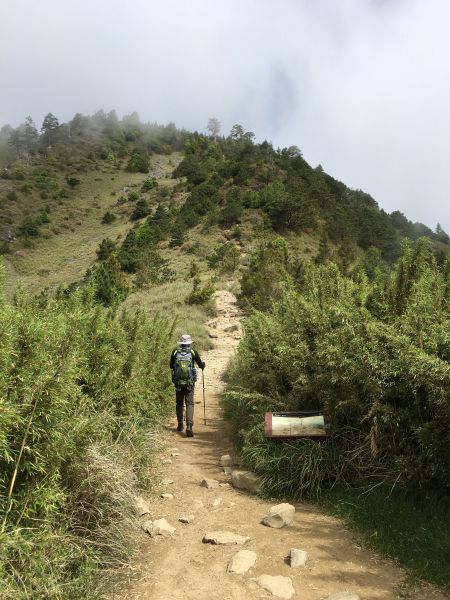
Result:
x=67 y=245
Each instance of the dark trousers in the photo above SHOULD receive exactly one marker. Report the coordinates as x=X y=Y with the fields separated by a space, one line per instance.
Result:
x=185 y=396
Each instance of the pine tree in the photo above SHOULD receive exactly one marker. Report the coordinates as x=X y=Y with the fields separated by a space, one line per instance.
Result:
x=111 y=286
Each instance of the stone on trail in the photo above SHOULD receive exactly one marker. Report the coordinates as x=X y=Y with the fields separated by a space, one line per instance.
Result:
x=186 y=519
x=224 y=538
x=175 y=454
x=225 y=485
x=174 y=449
x=279 y=586
x=226 y=461
x=242 y=562
x=167 y=461
x=167 y=481
x=217 y=502
x=279 y=515
x=343 y=596
x=158 y=527
x=297 y=558
x=141 y=506
x=227 y=470
x=209 y=483
x=167 y=496
x=246 y=480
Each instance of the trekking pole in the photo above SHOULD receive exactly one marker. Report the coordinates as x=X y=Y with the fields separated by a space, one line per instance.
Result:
x=204 y=401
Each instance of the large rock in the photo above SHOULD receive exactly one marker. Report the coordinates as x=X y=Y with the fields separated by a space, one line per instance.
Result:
x=246 y=480
x=280 y=515
x=224 y=538
x=343 y=596
x=279 y=586
x=297 y=558
x=226 y=461
x=158 y=527
x=210 y=484
x=242 y=562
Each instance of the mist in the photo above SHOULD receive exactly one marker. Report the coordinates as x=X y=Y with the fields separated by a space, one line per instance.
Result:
x=361 y=86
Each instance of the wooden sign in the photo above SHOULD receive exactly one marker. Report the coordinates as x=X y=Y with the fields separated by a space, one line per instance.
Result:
x=304 y=424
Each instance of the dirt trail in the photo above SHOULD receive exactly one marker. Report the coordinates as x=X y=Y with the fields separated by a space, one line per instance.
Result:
x=182 y=567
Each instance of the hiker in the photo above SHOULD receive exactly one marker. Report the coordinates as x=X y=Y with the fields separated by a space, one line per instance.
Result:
x=184 y=375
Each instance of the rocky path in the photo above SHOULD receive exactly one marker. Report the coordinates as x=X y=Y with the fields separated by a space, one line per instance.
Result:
x=180 y=565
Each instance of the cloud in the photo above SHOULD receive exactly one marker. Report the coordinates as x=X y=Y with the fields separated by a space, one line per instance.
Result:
x=361 y=86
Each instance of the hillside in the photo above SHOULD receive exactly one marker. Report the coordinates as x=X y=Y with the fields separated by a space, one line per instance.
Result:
x=117 y=236
x=57 y=188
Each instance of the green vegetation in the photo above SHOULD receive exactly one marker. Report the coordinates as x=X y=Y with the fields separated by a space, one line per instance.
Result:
x=226 y=258
x=412 y=529
x=200 y=294
x=371 y=353
x=79 y=399
x=333 y=325
x=227 y=176
x=138 y=163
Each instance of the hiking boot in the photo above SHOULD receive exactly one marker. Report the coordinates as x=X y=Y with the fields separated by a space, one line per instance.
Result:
x=189 y=432
x=180 y=427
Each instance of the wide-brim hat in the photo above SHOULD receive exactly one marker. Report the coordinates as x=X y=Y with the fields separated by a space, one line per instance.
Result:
x=186 y=340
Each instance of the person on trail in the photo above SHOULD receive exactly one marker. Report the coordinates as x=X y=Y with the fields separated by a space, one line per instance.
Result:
x=184 y=376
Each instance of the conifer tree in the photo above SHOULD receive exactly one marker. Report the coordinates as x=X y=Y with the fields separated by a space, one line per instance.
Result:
x=110 y=284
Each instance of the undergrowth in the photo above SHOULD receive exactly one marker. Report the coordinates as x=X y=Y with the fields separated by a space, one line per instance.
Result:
x=372 y=354
x=81 y=395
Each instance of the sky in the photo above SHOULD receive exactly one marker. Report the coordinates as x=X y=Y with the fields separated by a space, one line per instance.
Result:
x=362 y=87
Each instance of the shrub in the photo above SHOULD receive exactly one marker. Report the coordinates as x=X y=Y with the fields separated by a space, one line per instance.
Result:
x=199 y=294
x=225 y=257
x=138 y=163
x=26 y=188
x=29 y=227
x=141 y=210
x=19 y=174
x=133 y=196
x=108 y=217
x=105 y=248
x=12 y=195
x=149 y=184
x=73 y=182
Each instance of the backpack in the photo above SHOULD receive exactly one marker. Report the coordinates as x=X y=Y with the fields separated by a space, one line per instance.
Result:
x=184 y=374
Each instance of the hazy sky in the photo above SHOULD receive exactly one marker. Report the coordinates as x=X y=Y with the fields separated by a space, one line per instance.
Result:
x=361 y=86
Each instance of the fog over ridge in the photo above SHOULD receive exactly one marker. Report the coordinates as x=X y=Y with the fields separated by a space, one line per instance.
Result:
x=361 y=86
